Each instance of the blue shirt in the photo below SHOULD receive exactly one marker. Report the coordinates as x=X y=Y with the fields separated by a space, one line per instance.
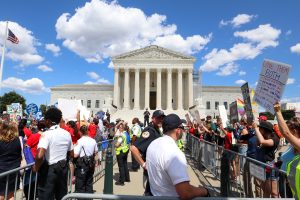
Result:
x=286 y=157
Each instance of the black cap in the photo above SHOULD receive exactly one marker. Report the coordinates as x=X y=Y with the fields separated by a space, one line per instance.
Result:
x=266 y=125
x=171 y=122
x=158 y=113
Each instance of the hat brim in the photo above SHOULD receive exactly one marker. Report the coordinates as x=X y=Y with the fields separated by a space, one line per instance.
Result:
x=266 y=128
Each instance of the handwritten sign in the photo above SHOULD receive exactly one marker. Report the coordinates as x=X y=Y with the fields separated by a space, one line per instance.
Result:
x=272 y=80
x=234 y=115
x=247 y=102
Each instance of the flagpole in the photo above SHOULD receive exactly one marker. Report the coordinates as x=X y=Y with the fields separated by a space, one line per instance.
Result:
x=2 y=58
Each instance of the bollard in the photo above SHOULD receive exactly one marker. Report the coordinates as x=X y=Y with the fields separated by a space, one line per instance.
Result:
x=108 y=178
x=225 y=171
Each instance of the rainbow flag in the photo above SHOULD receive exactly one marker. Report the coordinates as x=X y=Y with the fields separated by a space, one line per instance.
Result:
x=240 y=107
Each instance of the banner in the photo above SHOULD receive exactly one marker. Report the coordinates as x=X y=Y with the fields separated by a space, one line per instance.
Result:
x=234 y=116
x=240 y=107
x=223 y=115
x=272 y=80
x=247 y=103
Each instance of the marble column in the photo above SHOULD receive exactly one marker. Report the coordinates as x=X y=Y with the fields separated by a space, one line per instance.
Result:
x=158 y=90
x=147 y=88
x=137 y=89
x=190 y=87
x=126 y=89
x=179 y=91
x=117 y=89
x=169 y=90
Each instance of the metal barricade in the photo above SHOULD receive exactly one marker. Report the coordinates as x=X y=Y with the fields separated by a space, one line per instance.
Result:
x=25 y=180
x=254 y=178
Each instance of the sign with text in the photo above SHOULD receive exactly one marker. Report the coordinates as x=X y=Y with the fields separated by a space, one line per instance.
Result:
x=14 y=110
x=234 y=115
x=223 y=115
x=32 y=109
x=272 y=80
x=247 y=102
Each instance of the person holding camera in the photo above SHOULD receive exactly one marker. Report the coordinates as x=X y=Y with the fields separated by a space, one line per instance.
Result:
x=85 y=152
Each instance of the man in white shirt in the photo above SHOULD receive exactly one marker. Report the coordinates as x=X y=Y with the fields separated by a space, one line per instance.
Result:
x=51 y=159
x=167 y=165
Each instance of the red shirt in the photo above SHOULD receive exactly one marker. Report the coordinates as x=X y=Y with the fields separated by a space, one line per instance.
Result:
x=192 y=131
x=27 y=132
x=33 y=142
x=228 y=140
x=71 y=131
x=92 y=130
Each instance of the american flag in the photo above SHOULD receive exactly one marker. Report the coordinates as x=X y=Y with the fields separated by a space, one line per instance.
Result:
x=11 y=37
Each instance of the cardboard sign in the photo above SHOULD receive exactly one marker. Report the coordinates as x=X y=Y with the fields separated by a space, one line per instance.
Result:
x=234 y=115
x=197 y=115
x=188 y=119
x=272 y=80
x=247 y=102
x=223 y=115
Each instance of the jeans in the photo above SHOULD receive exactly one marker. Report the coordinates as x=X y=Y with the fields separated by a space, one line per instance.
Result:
x=123 y=168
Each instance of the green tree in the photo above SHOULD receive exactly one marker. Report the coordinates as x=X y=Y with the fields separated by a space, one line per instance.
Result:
x=9 y=98
x=288 y=114
x=43 y=108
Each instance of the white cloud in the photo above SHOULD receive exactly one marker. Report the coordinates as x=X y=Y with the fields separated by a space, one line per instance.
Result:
x=96 y=77
x=25 y=52
x=295 y=48
x=242 y=73
x=228 y=69
x=240 y=82
x=256 y=41
x=45 y=68
x=290 y=81
x=102 y=29
x=93 y=75
x=289 y=32
x=238 y=20
x=290 y=99
x=89 y=83
x=111 y=65
x=53 y=48
x=32 y=86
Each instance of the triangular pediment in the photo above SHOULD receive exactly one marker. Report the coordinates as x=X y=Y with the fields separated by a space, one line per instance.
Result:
x=153 y=52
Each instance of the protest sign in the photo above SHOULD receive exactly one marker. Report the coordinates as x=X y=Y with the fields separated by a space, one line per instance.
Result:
x=14 y=110
x=272 y=80
x=223 y=115
x=247 y=103
x=32 y=109
x=297 y=110
x=234 y=116
x=197 y=115
x=188 y=119
x=69 y=108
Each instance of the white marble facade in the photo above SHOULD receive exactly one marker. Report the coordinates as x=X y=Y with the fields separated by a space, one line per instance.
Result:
x=152 y=77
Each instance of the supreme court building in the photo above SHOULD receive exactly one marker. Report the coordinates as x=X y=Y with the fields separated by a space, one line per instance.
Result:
x=152 y=77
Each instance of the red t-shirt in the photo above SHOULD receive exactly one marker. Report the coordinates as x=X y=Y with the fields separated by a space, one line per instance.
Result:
x=71 y=131
x=192 y=131
x=228 y=140
x=27 y=132
x=33 y=142
x=92 y=130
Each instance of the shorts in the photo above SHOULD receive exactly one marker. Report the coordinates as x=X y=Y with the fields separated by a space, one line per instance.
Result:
x=271 y=174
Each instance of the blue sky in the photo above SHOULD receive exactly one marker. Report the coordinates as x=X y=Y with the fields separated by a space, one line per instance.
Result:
x=71 y=42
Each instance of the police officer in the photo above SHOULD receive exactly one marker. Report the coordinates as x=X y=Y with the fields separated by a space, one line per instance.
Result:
x=135 y=133
x=122 y=150
x=139 y=147
x=55 y=145
x=85 y=151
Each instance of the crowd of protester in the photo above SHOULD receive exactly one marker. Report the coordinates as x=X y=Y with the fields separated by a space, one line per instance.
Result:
x=81 y=146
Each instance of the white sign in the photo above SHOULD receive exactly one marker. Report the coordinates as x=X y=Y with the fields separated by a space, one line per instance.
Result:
x=223 y=115
x=297 y=111
x=272 y=80
x=14 y=110
x=69 y=108
x=257 y=171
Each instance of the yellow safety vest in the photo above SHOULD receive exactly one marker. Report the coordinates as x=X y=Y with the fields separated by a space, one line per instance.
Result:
x=293 y=173
x=180 y=145
x=139 y=133
x=124 y=146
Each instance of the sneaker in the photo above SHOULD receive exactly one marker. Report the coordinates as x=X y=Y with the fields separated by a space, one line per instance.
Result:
x=119 y=183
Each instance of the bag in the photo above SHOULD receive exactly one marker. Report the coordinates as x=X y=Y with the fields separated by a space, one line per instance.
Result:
x=28 y=155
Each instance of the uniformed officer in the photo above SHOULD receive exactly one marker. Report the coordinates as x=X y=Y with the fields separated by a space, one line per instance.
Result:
x=122 y=150
x=139 y=147
x=135 y=133
x=85 y=151
x=55 y=145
